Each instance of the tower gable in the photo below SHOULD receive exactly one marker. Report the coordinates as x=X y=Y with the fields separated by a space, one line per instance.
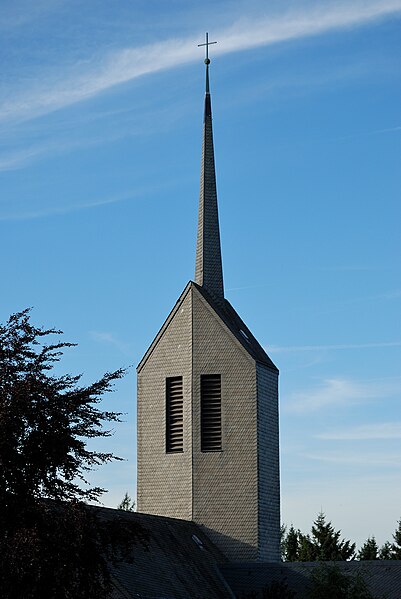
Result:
x=165 y=477
x=164 y=328
x=238 y=328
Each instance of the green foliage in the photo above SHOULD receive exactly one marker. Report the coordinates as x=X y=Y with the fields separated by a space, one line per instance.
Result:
x=51 y=544
x=396 y=546
x=329 y=582
x=385 y=551
x=392 y=550
x=46 y=419
x=323 y=544
x=307 y=551
x=327 y=543
x=369 y=550
x=388 y=551
x=283 y=535
x=291 y=545
x=127 y=504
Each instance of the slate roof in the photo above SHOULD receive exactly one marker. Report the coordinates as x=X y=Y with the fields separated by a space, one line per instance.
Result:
x=177 y=562
x=208 y=264
x=233 y=321
x=180 y=562
x=383 y=578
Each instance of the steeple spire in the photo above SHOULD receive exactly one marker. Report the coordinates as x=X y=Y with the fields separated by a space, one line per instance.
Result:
x=208 y=268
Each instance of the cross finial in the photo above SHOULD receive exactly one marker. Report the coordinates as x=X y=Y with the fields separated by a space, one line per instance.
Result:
x=207 y=44
x=207 y=60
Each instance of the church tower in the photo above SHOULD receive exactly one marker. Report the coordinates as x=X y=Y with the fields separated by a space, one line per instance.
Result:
x=208 y=446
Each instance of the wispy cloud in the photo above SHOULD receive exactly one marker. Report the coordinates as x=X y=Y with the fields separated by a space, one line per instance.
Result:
x=19 y=13
x=127 y=64
x=111 y=339
x=388 y=130
x=383 y=430
x=352 y=459
x=16 y=160
x=276 y=349
x=56 y=210
x=248 y=287
x=340 y=392
x=368 y=133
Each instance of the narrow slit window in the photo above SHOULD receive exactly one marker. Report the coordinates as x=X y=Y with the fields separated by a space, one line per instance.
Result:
x=174 y=415
x=211 y=412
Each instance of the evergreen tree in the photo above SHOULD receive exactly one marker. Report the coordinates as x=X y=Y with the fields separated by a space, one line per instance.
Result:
x=127 y=504
x=385 y=551
x=369 y=550
x=329 y=582
x=327 y=543
x=291 y=546
x=396 y=546
x=307 y=549
x=283 y=536
x=322 y=544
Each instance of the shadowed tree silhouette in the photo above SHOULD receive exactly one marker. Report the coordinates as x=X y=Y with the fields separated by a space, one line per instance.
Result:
x=369 y=550
x=51 y=543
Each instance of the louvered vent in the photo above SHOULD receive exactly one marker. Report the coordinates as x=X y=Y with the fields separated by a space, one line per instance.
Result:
x=211 y=412
x=174 y=415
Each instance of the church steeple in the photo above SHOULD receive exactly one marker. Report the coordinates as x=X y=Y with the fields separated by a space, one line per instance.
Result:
x=208 y=405
x=208 y=267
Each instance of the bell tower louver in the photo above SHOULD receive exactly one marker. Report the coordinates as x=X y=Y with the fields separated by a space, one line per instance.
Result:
x=208 y=438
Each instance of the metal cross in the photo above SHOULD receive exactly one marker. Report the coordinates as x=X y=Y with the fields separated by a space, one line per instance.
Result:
x=207 y=44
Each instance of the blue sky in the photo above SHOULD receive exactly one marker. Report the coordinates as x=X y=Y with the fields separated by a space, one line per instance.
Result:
x=100 y=143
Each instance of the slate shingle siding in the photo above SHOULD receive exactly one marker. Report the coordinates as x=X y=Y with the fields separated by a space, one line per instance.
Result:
x=208 y=265
x=233 y=494
x=268 y=464
x=165 y=479
x=225 y=483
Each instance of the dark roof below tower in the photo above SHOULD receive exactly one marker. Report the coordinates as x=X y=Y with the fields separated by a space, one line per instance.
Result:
x=382 y=577
x=177 y=561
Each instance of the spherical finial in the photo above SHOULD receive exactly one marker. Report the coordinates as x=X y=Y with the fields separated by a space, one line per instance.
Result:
x=207 y=60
